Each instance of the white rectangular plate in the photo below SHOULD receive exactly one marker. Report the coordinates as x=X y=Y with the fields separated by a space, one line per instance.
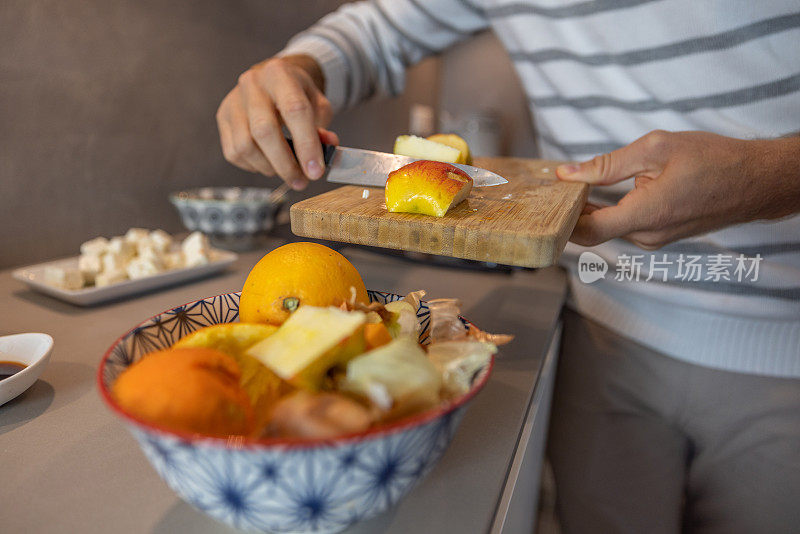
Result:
x=33 y=276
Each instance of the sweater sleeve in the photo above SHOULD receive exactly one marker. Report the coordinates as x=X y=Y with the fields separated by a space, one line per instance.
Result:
x=363 y=48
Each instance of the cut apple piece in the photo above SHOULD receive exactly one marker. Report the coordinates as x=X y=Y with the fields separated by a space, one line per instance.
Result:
x=310 y=342
x=426 y=187
x=421 y=148
x=397 y=378
x=456 y=142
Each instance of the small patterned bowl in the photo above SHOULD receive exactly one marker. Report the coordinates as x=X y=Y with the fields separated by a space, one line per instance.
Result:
x=278 y=485
x=226 y=211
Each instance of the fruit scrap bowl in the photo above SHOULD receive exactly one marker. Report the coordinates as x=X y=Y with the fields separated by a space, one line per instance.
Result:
x=279 y=485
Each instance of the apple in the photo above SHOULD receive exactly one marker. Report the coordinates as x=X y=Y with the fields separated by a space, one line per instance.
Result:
x=449 y=148
x=426 y=187
x=421 y=148
x=456 y=142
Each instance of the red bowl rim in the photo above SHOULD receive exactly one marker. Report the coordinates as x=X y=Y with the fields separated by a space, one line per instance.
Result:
x=250 y=443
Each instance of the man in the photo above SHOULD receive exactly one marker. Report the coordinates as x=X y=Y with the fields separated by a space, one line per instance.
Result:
x=677 y=401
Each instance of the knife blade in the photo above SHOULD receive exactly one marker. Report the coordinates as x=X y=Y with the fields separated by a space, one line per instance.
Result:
x=356 y=166
x=367 y=167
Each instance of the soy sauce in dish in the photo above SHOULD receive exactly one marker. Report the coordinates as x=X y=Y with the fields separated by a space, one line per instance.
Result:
x=10 y=368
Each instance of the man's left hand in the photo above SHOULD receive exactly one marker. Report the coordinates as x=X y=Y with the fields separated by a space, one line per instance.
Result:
x=688 y=183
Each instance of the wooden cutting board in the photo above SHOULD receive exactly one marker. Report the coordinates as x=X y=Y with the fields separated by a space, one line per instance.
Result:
x=525 y=222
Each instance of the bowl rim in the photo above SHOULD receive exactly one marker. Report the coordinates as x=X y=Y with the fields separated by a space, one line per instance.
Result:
x=253 y=443
x=175 y=196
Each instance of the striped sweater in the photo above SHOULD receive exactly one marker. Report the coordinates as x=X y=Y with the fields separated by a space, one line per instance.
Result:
x=599 y=74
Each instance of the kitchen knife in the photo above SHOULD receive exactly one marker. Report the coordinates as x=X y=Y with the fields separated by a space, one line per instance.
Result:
x=366 y=167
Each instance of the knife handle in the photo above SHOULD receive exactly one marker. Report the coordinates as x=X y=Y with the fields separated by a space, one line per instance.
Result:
x=327 y=151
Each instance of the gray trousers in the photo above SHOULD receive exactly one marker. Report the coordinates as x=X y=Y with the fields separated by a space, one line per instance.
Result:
x=644 y=443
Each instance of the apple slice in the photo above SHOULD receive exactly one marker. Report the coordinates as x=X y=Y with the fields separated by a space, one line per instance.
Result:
x=397 y=377
x=426 y=187
x=456 y=142
x=310 y=342
x=421 y=148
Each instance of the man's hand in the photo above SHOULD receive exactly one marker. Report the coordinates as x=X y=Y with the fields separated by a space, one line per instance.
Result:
x=688 y=183
x=279 y=91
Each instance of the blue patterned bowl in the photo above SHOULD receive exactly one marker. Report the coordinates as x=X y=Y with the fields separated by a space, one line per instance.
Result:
x=226 y=211
x=278 y=485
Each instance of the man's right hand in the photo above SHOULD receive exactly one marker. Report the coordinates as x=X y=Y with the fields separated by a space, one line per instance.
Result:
x=279 y=91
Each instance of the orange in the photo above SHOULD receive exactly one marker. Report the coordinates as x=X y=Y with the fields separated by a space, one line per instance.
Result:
x=297 y=274
x=262 y=385
x=193 y=390
x=376 y=335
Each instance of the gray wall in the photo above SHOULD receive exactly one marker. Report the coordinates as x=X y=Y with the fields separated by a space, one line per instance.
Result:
x=107 y=106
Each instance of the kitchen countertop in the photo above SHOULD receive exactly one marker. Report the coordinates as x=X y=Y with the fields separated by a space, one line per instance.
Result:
x=70 y=466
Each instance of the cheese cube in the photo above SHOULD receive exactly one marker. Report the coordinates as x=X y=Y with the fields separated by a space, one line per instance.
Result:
x=194 y=259
x=161 y=240
x=121 y=248
x=142 y=243
x=90 y=265
x=63 y=278
x=196 y=250
x=134 y=235
x=142 y=267
x=113 y=262
x=95 y=246
x=173 y=260
x=147 y=249
x=108 y=277
x=196 y=242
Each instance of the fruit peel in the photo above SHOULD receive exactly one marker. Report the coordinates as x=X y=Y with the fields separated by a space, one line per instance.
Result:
x=192 y=390
x=262 y=385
